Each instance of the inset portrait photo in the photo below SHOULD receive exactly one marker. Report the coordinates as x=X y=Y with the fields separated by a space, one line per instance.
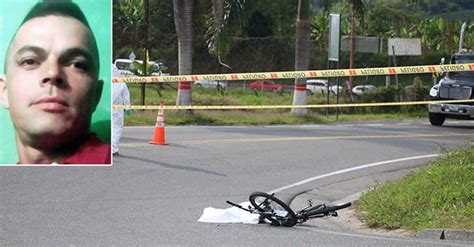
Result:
x=55 y=82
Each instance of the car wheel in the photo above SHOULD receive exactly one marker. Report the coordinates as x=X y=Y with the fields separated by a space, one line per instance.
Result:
x=198 y=85
x=309 y=92
x=436 y=119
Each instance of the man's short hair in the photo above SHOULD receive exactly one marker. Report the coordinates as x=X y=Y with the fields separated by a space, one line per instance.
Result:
x=57 y=7
x=64 y=8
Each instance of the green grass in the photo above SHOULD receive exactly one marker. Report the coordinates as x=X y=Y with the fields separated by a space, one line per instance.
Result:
x=255 y=117
x=440 y=195
x=235 y=96
x=223 y=118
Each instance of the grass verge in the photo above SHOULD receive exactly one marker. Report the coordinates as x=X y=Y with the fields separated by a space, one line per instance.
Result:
x=440 y=195
x=257 y=117
x=235 y=96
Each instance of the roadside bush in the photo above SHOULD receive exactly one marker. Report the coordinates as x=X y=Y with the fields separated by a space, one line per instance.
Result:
x=417 y=92
x=392 y=93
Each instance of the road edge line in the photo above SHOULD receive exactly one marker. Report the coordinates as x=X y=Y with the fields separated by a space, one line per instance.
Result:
x=350 y=170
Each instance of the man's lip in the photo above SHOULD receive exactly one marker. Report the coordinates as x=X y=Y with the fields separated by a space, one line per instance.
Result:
x=56 y=100
x=52 y=104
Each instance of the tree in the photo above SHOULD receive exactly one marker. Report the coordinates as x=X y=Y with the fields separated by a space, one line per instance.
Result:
x=259 y=25
x=358 y=8
x=133 y=13
x=183 y=18
x=225 y=20
x=320 y=30
x=301 y=56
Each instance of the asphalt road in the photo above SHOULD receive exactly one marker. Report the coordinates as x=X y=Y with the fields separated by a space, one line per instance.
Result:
x=153 y=195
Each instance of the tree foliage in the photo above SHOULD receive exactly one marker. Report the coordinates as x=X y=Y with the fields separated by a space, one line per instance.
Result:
x=242 y=41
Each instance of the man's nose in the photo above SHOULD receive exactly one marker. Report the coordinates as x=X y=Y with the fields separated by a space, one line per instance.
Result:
x=54 y=74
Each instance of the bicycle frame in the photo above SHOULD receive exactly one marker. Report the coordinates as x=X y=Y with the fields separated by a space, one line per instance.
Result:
x=290 y=218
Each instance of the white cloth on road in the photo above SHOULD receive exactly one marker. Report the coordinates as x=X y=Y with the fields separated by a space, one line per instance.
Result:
x=120 y=96
x=229 y=215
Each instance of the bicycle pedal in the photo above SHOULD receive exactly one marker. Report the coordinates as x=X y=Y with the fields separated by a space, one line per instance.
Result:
x=333 y=214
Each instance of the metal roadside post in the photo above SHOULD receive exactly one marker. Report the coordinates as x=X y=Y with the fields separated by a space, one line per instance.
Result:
x=337 y=78
x=394 y=57
x=396 y=76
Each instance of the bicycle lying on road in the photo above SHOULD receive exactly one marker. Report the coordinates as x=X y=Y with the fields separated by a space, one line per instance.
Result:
x=278 y=213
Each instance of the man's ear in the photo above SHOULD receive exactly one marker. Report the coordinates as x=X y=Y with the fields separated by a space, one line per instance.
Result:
x=3 y=92
x=97 y=94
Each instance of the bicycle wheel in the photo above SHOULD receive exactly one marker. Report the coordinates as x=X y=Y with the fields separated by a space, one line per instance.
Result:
x=271 y=208
x=327 y=209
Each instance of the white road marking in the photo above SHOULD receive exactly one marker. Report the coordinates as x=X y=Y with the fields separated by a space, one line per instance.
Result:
x=350 y=170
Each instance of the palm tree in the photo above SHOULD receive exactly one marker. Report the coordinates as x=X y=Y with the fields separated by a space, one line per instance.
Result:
x=301 y=56
x=226 y=19
x=183 y=19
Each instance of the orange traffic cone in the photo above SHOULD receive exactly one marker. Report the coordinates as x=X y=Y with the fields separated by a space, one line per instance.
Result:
x=159 y=134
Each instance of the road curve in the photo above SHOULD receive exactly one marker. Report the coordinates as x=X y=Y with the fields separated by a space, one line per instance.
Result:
x=153 y=195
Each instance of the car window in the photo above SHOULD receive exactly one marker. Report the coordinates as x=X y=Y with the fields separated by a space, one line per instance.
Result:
x=461 y=60
x=123 y=65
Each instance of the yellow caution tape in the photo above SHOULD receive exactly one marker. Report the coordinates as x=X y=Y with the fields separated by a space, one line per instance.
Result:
x=244 y=107
x=300 y=74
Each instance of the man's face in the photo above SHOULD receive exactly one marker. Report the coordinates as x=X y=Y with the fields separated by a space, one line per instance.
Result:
x=51 y=79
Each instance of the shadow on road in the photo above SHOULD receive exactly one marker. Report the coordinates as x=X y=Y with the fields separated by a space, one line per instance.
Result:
x=456 y=127
x=171 y=166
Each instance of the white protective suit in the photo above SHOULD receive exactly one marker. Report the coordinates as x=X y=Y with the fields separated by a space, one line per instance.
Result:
x=121 y=96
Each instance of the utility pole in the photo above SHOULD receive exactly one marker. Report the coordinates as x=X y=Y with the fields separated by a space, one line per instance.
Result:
x=351 y=53
x=146 y=5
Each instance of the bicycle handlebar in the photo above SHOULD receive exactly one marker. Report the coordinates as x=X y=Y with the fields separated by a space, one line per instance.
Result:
x=237 y=205
x=233 y=204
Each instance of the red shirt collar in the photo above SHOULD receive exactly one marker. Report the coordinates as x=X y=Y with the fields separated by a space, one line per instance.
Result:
x=92 y=151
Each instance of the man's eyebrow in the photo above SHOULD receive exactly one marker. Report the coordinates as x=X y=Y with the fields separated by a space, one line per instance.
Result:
x=75 y=52
x=30 y=48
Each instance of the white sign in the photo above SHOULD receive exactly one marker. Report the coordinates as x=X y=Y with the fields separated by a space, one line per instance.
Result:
x=362 y=44
x=334 y=37
x=404 y=47
x=132 y=56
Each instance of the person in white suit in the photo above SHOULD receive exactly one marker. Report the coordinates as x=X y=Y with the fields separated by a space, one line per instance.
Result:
x=121 y=96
